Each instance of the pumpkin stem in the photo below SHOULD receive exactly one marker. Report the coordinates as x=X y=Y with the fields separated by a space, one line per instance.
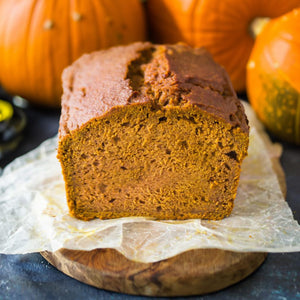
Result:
x=257 y=25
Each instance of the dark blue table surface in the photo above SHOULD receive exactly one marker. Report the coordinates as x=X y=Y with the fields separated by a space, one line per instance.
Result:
x=30 y=276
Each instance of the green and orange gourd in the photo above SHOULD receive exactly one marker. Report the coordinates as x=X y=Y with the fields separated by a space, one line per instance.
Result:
x=273 y=76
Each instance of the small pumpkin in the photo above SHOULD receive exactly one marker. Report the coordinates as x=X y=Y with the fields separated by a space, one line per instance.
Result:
x=38 y=39
x=224 y=27
x=273 y=80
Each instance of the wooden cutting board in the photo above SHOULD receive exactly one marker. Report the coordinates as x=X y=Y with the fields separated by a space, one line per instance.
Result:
x=194 y=272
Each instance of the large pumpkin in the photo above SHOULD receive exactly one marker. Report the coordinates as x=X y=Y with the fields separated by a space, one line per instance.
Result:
x=273 y=76
x=39 y=38
x=224 y=27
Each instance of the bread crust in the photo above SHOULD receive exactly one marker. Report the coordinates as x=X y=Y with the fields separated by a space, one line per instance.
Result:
x=150 y=130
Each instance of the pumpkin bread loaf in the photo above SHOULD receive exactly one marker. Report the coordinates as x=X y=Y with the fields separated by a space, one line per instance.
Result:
x=150 y=130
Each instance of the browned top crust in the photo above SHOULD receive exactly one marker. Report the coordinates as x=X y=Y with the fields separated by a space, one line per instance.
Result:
x=141 y=72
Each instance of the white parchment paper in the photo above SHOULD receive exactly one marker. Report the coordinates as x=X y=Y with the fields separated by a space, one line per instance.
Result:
x=34 y=214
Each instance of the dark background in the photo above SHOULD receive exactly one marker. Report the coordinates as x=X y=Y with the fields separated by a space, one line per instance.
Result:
x=31 y=277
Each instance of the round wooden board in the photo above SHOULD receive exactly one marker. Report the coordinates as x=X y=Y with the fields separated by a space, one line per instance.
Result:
x=193 y=272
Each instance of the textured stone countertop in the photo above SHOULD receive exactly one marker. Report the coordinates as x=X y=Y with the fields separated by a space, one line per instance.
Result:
x=31 y=277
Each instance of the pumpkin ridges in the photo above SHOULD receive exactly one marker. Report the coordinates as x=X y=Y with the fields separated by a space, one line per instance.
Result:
x=104 y=30
x=238 y=73
x=26 y=44
x=279 y=5
x=52 y=89
x=222 y=16
x=8 y=48
x=35 y=75
x=50 y=69
x=101 y=29
x=5 y=36
x=222 y=54
x=83 y=34
x=223 y=59
x=112 y=16
x=121 y=34
x=194 y=4
x=125 y=28
x=297 y=123
x=36 y=66
x=70 y=36
x=226 y=20
x=235 y=17
x=164 y=20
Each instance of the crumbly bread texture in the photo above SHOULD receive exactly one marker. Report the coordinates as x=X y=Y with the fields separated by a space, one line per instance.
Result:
x=150 y=130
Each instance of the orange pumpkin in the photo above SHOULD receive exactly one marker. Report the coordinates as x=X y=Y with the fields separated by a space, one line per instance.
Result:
x=224 y=27
x=38 y=39
x=273 y=76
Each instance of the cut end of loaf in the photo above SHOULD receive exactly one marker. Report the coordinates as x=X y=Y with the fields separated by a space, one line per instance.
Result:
x=153 y=161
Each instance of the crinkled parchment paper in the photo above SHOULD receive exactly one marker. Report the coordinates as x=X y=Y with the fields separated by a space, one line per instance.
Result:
x=34 y=214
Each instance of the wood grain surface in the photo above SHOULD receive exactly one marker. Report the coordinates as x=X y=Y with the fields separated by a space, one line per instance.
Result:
x=194 y=272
